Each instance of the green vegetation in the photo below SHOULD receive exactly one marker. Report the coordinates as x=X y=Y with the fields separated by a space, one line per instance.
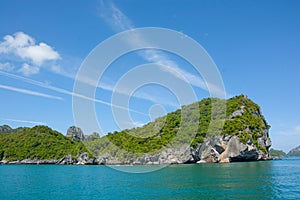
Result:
x=275 y=153
x=191 y=125
x=39 y=142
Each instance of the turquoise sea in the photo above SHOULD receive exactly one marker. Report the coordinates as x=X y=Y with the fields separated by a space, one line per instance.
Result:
x=248 y=180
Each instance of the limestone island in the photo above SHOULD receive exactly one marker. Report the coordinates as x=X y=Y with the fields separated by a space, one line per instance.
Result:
x=209 y=131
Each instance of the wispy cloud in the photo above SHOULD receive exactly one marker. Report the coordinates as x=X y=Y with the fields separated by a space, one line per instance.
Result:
x=29 y=92
x=118 y=21
x=6 y=66
x=287 y=138
x=153 y=97
x=23 y=121
x=62 y=91
x=113 y=16
x=28 y=70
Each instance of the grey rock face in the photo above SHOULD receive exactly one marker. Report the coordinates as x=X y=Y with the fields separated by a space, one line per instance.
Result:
x=67 y=160
x=175 y=155
x=5 y=129
x=237 y=151
x=219 y=149
x=168 y=156
x=91 y=137
x=237 y=113
x=210 y=155
x=83 y=159
x=210 y=150
x=75 y=132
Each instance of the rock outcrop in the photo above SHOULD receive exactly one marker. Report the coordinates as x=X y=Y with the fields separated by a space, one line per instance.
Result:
x=5 y=129
x=168 y=156
x=75 y=132
x=226 y=149
x=84 y=159
x=67 y=160
x=92 y=137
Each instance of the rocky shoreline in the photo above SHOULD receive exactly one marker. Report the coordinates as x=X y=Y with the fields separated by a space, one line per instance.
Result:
x=219 y=149
x=83 y=159
x=56 y=162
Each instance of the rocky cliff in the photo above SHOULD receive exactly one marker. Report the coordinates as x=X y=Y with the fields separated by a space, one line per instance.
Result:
x=75 y=132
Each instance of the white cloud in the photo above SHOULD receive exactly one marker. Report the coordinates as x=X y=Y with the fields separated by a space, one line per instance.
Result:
x=38 y=54
x=29 y=92
x=13 y=42
x=6 y=67
x=25 y=49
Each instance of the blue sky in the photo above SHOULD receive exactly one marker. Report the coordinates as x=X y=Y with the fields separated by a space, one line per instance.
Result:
x=255 y=45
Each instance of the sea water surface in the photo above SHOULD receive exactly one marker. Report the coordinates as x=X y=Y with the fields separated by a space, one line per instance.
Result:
x=248 y=180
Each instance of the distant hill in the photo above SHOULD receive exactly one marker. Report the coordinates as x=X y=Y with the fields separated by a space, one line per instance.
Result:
x=294 y=152
x=37 y=143
x=277 y=153
x=7 y=129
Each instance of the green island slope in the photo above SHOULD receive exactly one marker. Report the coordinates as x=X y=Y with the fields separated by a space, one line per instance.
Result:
x=37 y=143
x=277 y=153
x=242 y=119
